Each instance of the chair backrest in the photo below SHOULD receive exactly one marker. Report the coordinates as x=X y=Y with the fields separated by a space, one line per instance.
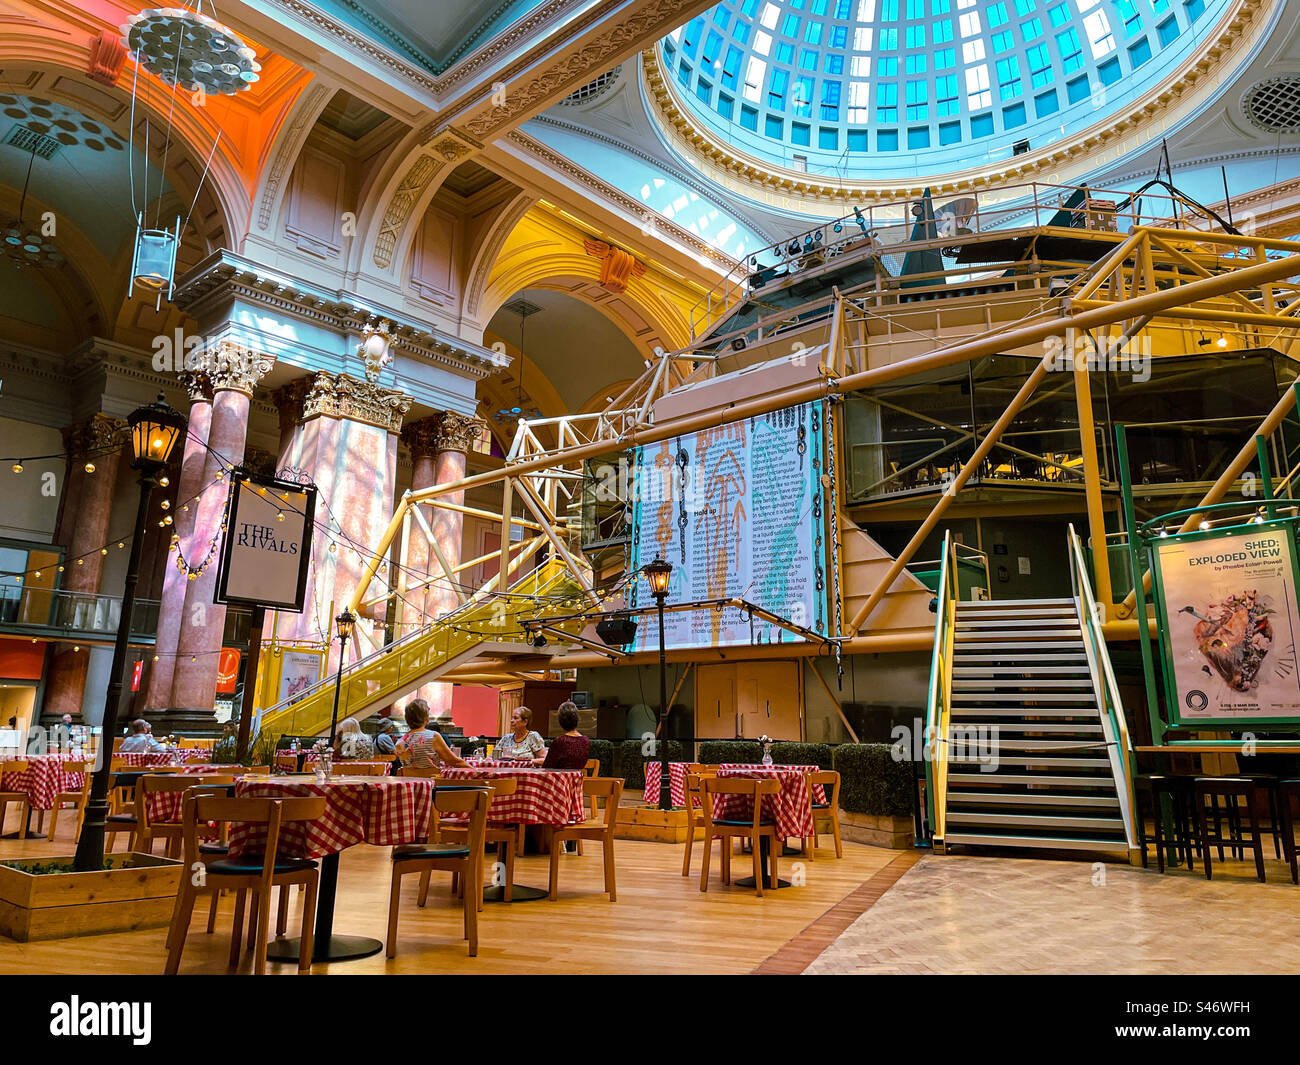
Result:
x=830 y=782
x=608 y=788
x=12 y=767
x=86 y=769
x=465 y=800
x=270 y=812
x=362 y=769
x=153 y=784
x=592 y=767
x=754 y=787
x=498 y=785
x=117 y=743
x=196 y=742
x=412 y=771
x=254 y=770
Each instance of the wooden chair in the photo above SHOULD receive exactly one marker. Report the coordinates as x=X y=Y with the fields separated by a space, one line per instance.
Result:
x=464 y=860
x=196 y=743
x=361 y=769
x=611 y=790
x=694 y=808
x=829 y=810
x=76 y=798
x=247 y=873
x=253 y=770
x=755 y=828
x=412 y=771
x=148 y=829
x=21 y=797
x=590 y=770
x=453 y=831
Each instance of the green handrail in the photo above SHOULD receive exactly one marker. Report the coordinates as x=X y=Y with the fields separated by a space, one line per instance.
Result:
x=939 y=696
x=1115 y=724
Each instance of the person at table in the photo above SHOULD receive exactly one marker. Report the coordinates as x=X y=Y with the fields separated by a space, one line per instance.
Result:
x=570 y=750
x=139 y=741
x=521 y=742
x=387 y=736
x=350 y=743
x=422 y=747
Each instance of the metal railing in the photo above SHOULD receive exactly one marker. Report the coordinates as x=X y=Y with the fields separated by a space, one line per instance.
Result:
x=885 y=232
x=1113 y=722
x=939 y=698
x=74 y=613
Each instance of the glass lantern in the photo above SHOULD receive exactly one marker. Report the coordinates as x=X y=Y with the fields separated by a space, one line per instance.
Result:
x=153 y=264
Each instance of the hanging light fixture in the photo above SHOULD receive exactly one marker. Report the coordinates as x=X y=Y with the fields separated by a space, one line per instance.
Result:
x=525 y=310
x=189 y=49
x=25 y=244
x=153 y=263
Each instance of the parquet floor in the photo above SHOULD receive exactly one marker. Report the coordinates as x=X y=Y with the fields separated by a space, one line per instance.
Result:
x=661 y=923
x=987 y=915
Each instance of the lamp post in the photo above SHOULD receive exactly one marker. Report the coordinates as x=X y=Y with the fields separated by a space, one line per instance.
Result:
x=657 y=574
x=154 y=432
x=345 y=622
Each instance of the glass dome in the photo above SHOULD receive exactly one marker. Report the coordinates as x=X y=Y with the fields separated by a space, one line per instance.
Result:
x=868 y=89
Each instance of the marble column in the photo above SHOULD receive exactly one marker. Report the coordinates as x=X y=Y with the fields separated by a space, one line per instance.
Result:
x=172 y=608
x=345 y=442
x=234 y=374
x=438 y=449
x=84 y=518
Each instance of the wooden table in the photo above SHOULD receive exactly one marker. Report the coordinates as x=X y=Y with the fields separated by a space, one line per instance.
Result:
x=384 y=811
x=790 y=808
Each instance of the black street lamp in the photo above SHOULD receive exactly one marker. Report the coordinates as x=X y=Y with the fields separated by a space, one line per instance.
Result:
x=154 y=432
x=345 y=622
x=657 y=574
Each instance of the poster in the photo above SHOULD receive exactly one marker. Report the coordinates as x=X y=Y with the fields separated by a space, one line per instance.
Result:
x=267 y=545
x=1230 y=621
x=299 y=670
x=739 y=512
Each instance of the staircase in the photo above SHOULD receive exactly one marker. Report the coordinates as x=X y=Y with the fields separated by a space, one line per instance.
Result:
x=485 y=624
x=1027 y=756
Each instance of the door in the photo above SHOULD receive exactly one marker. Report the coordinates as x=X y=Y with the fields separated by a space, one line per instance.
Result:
x=715 y=702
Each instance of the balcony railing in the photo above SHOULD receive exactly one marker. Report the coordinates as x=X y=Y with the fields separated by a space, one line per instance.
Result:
x=50 y=614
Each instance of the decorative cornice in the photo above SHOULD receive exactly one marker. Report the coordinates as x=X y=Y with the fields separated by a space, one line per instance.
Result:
x=652 y=220
x=97 y=434
x=231 y=276
x=763 y=178
x=197 y=385
x=341 y=396
x=288 y=401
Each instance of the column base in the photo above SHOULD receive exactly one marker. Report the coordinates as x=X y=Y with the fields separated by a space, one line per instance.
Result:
x=182 y=720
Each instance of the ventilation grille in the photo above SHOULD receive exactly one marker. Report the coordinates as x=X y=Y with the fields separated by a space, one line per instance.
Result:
x=1274 y=104
x=30 y=141
x=521 y=307
x=593 y=89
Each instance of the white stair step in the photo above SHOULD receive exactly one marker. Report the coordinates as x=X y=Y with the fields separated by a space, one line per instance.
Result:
x=1037 y=759
x=992 y=670
x=1058 y=822
x=1044 y=649
x=989 y=604
x=1059 y=843
x=963 y=684
x=1020 y=713
x=1021 y=697
x=1083 y=729
x=1054 y=624
x=1027 y=779
x=1005 y=743
x=1033 y=798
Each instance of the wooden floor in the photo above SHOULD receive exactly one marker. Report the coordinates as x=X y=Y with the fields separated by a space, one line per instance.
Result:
x=661 y=923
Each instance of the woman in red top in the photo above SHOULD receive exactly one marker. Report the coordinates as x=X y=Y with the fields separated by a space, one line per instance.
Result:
x=570 y=750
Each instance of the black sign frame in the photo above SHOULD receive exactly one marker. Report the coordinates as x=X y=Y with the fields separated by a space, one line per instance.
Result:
x=239 y=477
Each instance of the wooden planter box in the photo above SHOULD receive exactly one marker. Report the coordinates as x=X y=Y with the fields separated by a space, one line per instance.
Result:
x=139 y=891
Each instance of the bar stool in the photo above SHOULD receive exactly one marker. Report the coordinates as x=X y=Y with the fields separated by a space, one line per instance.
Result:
x=1179 y=789
x=1268 y=783
x=1232 y=789
x=1286 y=791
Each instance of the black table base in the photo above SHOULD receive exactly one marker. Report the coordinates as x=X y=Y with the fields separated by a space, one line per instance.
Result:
x=764 y=854
x=518 y=893
x=335 y=948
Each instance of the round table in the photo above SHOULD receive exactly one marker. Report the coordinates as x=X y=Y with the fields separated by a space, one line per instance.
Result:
x=790 y=808
x=384 y=811
x=43 y=779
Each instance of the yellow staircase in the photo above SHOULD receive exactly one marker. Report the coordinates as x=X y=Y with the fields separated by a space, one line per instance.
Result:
x=404 y=665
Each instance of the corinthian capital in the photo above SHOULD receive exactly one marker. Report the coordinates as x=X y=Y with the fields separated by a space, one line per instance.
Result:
x=98 y=433
x=458 y=432
x=233 y=368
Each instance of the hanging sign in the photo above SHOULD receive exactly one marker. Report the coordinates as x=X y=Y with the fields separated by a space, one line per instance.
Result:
x=228 y=671
x=1229 y=621
x=267 y=544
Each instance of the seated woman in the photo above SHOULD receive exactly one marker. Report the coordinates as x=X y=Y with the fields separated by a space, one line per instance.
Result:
x=350 y=743
x=521 y=742
x=570 y=750
x=422 y=747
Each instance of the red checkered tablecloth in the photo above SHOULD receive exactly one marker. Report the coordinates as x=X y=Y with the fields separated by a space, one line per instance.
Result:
x=790 y=807
x=45 y=777
x=182 y=756
x=167 y=805
x=383 y=811
x=498 y=763
x=676 y=783
x=543 y=796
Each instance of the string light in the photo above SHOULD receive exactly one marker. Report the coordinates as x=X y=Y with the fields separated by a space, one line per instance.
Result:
x=164 y=481
x=89 y=467
x=18 y=467
x=279 y=515
x=166 y=504
x=103 y=550
x=121 y=543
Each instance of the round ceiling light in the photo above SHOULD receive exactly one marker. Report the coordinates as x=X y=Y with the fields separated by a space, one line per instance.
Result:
x=191 y=50
x=23 y=244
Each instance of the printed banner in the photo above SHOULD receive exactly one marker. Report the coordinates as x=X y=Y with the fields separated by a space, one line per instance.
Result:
x=1231 y=624
x=267 y=544
x=739 y=512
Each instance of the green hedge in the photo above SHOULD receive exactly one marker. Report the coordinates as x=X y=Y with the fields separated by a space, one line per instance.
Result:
x=818 y=754
x=741 y=752
x=631 y=763
x=871 y=781
x=603 y=750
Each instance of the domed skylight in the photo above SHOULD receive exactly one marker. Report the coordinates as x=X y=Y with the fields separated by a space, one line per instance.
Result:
x=874 y=88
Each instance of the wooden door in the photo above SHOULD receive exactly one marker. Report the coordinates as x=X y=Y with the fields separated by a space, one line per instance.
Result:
x=770 y=699
x=715 y=701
